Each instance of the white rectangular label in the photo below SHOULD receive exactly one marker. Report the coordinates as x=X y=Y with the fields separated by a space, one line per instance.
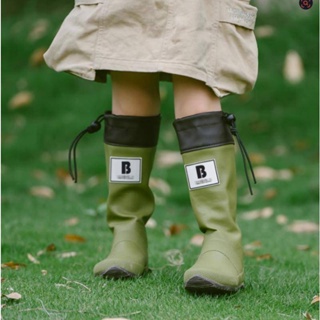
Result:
x=202 y=174
x=125 y=170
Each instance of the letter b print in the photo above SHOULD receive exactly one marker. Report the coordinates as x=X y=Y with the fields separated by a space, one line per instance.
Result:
x=201 y=172
x=201 y=175
x=125 y=170
x=125 y=167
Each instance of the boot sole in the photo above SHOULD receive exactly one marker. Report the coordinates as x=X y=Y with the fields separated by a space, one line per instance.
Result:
x=117 y=273
x=201 y=285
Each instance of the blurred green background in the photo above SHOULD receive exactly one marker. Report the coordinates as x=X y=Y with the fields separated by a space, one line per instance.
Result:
x=278 y=116
x=42 y=111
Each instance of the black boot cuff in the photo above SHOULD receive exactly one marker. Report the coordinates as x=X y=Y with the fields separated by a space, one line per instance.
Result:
x=204 y=130
x=131 y=131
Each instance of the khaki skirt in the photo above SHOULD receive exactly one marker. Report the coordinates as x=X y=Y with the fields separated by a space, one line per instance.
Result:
x=209 y=40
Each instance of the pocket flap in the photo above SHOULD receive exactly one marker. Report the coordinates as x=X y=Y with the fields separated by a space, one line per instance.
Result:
x=238 y=12
x=86 y=2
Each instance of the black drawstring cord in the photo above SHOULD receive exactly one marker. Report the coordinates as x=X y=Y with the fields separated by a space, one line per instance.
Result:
x=231 y=120
x=94 y=127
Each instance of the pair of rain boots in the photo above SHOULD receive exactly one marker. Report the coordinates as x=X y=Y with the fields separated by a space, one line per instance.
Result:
x=207 y=149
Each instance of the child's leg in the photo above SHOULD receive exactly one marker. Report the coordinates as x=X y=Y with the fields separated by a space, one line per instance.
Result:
x=207 y=149
x=135 y=94
x=131 y=135
x=192 y=97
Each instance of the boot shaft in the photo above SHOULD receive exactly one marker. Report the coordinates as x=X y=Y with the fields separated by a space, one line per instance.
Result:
x=130 y=146
x=211 y=176
x=208 y=154
x=129 y=194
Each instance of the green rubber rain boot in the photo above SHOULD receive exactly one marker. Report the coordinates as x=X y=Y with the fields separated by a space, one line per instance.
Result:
x=207 y=148
x=130 y=145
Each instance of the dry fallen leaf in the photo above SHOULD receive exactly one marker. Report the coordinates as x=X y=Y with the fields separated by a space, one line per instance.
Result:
x=39 y=29
x=266 y=256
x=281 y=219
x=51 y=247
x=249 y=253
x=293 y=69
x=74 y=238
x=36 y=58
x=160 y=185
x=270 y=193
x=264 y=213
x=197 y=240
x=71 y=222
x=13 y=296
x=267 y=173
x=303 y=247
x=20 y=100
x=175 y=229
x=160 y=201
x=33 y=259
x=264 y=173
x=303 y=226
x=247 y=198
x=315 y=299
x=253 y=245
x=265 y=31
x=257 y=158
x=42 y=192
x=65 y=255
x=12 y=265
x=64 y=176
x=166 y=159
x=151 y=224
x=92 y=181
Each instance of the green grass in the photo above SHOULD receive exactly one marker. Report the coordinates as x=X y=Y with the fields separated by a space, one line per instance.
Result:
x=275 y=116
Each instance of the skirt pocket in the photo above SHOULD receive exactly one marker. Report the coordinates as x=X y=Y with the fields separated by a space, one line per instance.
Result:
x=237 y=53
x=74 y=46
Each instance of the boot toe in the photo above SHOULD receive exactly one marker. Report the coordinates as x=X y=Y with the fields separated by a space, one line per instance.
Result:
x=215 y=284
x=201 y=285
x=116 y=269
x=215 y=273
x=116 y=273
